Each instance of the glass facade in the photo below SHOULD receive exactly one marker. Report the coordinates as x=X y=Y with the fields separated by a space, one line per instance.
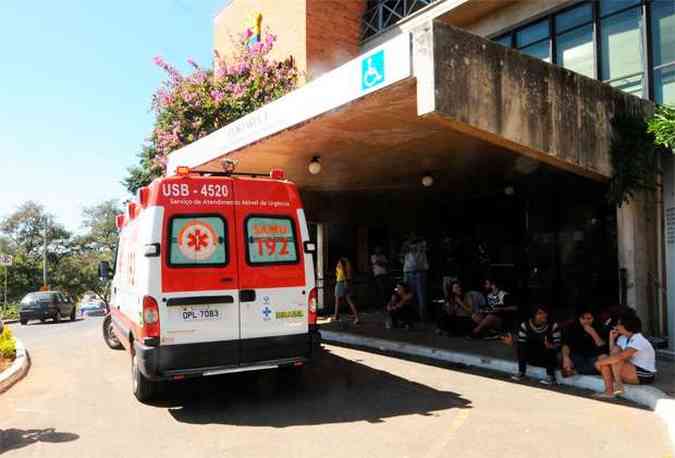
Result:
x=629 y=44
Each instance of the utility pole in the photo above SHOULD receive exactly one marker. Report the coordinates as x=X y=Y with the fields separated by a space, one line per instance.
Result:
x=44 y=257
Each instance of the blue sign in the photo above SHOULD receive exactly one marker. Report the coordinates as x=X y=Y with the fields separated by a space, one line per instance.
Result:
x=266 y=313
x=372 y=70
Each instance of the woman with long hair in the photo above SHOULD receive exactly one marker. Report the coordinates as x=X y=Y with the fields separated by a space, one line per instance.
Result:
x=343 y=293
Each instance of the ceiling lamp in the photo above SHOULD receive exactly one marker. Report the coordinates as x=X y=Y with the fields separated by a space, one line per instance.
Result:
x=314 y=166
x=427 y=180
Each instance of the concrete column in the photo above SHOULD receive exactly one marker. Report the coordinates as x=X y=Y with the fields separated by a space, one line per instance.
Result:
x=321 y=257
x=638 y=254
x=668 y=165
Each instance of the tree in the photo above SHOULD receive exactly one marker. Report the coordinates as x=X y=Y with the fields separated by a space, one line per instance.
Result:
x=662 y=125
x=99 y=221
x=189 y=107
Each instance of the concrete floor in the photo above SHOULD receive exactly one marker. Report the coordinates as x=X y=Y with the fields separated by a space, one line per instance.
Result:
x=77 y=401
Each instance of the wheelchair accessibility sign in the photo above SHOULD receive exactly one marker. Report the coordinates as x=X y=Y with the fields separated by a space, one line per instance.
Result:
x=372 y=70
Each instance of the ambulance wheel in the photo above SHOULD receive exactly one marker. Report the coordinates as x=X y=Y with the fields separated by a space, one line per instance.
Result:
x=109 y=335
x=144 y=389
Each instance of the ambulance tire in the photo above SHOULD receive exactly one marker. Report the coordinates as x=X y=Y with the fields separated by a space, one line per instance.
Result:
x=109 y=336
x=143 y=389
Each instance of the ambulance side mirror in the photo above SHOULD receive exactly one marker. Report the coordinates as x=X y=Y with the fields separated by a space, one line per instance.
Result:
x=104 y=271
x=310 y=247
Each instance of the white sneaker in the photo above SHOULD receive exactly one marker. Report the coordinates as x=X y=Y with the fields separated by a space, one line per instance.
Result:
x=549 y=380
x=518 y=377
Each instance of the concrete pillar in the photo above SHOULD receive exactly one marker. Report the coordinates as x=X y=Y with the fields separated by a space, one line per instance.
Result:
x=321 y=257
x=638 y=255
x=668 y=165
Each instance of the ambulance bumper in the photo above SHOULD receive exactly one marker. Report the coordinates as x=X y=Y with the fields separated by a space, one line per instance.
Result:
x=174 y=362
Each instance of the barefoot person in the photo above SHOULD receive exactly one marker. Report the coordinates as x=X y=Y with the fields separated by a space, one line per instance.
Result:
x=631 y=358
x=343 y=280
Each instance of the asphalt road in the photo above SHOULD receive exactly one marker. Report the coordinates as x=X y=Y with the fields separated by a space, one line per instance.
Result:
x=77 y=402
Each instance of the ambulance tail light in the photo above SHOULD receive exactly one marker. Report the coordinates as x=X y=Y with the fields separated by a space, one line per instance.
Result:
x=277 y=174
x=182 y=171
x=150 y=321
x=312 y=302
x=131 y=209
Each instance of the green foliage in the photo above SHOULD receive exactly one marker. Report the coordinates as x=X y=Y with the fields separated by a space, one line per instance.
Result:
x=662 y=126
x=11 y=312
x=634 y=159
x=7 y=344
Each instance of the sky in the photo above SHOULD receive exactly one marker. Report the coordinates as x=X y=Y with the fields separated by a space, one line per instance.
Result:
x=76 y=81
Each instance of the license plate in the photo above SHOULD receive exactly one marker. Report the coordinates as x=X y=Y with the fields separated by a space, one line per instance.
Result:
x=201 y=314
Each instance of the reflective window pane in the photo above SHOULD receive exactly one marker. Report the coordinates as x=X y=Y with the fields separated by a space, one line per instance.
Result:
x=630 y=84
x=504 y=41
x=532 y=33
x=664 y=85
x=621 y=45
x=577 y=16
x=540 y=50
x=575 y=50
x=610 y=6
x=663 y=32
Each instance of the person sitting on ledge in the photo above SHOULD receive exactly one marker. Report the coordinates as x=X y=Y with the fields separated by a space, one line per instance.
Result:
x=538 y=341
x=492 y=317
x=582 y=345
x=400 y=307
x=455 y=315
x=631 y=358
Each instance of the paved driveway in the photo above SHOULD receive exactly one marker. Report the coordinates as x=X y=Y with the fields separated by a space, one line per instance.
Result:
x=77 y=402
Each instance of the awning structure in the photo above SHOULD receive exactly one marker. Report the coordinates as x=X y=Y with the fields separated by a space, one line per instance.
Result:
x=439 y=100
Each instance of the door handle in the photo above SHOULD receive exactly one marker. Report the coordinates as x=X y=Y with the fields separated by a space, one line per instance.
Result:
x=247 y=295
x=227 y=279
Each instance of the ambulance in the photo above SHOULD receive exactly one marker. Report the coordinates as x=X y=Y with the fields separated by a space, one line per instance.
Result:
x=214 y=274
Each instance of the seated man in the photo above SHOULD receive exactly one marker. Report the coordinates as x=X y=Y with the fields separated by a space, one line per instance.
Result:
x=455 y=316
x=493 y=315
x=582 y=345
x=400 y=307
x=631 y=359
x=538 y=341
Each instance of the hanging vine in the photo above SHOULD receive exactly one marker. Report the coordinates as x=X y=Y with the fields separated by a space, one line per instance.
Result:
x=634 y=158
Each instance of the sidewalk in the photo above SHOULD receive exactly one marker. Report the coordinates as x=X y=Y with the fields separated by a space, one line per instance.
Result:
x=421 y=341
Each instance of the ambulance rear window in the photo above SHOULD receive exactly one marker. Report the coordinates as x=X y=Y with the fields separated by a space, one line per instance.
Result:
x=270 y=240
x=197 y=241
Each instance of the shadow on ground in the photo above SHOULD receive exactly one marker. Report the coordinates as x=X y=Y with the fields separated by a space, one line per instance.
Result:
x=12 y=438
x=339 y=390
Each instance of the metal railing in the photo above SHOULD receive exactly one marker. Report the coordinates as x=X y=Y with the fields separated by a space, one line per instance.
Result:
x=382 y=14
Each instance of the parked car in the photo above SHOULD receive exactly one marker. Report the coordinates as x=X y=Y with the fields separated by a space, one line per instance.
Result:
x=92 y=309
x=45 y=305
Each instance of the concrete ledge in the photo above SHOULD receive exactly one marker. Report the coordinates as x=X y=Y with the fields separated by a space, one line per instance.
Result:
x=17 y=370
x=647 y=396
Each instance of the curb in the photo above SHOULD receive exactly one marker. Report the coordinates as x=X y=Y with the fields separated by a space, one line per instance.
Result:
x=10 y=321
x=17 y=370
x=647 y=396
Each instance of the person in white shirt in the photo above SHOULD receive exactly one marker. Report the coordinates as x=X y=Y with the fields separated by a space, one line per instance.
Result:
x=415 y=267
x=379 y=263
x=632 y=358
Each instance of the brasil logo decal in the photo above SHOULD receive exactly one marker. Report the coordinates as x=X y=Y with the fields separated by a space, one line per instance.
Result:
x=197 y=241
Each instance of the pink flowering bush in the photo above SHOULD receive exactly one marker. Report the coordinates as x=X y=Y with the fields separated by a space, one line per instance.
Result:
x=188 y=107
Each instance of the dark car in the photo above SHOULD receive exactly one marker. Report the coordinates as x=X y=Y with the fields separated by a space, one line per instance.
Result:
x=44 y=305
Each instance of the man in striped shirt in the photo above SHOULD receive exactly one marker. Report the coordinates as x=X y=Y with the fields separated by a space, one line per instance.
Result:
x=538 y=342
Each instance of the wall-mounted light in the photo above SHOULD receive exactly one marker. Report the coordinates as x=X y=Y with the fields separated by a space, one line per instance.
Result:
x=427 y=180
x=509 y=191
x=314 y=166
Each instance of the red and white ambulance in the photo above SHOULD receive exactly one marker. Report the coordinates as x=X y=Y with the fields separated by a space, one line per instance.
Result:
x=214 y=273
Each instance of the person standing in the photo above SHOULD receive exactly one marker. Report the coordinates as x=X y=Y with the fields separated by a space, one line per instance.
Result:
x=380 y=265
x=415 y=268
x=343 y=290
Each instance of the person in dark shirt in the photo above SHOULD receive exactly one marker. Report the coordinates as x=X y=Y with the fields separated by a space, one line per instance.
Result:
x=400 y=309
x=582 y=345
x=538 y=341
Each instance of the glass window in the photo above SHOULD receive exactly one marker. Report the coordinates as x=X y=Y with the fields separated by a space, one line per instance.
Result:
x=504 y=41
x=575 y=50
x=663 y=32
x=572 y=18
x=540 y=50
x=622 y=50
x=532 y=33
x=664 y=85
x=197 y=241
x=270 y=240
x=610 y=6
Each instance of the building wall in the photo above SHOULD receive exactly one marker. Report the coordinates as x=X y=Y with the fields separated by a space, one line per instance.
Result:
x=286 y=19
x=513 y=15
x=333 y=33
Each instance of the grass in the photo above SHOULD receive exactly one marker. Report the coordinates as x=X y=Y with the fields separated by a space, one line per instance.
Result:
x=7 y=348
